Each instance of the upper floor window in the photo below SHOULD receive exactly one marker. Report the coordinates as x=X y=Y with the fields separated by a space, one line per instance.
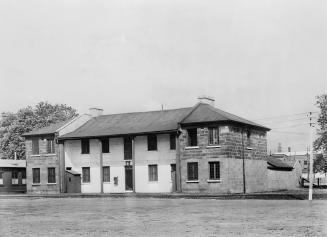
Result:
x=36 y=175
x=192 y=137
x=248 y=140
x=86 y=174
x=214 y=170
x=172 y=138
x=152 y=142
x=50 y=146
x=35 y=146
x=192 y=171
x=51 y=175
x=128 y=148
x=213 y=136
x=85 y=146
x=105 y=145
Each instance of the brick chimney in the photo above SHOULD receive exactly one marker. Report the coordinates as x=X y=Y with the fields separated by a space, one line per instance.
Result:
x=206 y=100
x=95 y=112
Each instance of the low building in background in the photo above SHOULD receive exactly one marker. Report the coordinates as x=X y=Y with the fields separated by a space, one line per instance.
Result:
x=12 y=176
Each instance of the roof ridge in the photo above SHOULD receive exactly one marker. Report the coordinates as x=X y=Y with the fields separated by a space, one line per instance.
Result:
x=165 y=110
x=193 y=109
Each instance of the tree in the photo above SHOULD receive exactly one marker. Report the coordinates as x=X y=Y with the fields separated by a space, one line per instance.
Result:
x=320 y=163
x=13 y=125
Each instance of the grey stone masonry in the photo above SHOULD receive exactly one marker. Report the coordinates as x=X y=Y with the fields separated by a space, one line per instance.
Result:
x=229 y=155
x=43 y=161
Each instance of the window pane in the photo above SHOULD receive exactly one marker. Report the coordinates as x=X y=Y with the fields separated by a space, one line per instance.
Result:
x=214 y=170
x=36 y=175
x=86 y=174
x=51 y=175
x=105 y=145
x=172 y=137
x=35 y=146
x=85 y=146
x=153 y=173
x=106 y=174
x=213 y=136
x=50 y=146
x=192 y=137
x=152 y=142
x=192 y=171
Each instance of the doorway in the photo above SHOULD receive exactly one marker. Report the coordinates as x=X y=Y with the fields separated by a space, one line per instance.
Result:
x=129 y=178
x=173 y=177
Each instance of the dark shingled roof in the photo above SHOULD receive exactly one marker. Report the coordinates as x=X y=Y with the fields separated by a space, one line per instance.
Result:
x=130 y=123
x=278 y=164
x=47 y=130
x=208 y=113
x=153 y=121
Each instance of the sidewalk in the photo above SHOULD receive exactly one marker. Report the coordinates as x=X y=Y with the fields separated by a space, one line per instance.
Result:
x=301 y=194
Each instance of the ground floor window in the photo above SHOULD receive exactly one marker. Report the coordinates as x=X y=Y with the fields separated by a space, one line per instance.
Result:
x=106 y=173
x=192 y=171
x=36 y=175
x=214 y=170
x=51 y=175
x=86 y=174
x=1 y=180
x=14 y=177
x=153 y=172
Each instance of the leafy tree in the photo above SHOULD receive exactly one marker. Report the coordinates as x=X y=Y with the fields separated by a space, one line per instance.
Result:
x=13 y=125
x=320 y=163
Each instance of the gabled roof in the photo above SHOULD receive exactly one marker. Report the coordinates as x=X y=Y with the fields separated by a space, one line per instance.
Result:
x=275 y=163
x=130 y=123
x=51 y=129
x=207 y=113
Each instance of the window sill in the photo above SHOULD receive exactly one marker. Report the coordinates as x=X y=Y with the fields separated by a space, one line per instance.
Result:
x=153 y=182
x=213 y=181
x=192 y=181
x=249 y=148
x=106 y=182
x=213 y=146
x=86 y=183
x=51 y=183
x=36 y=184
x=35 y=155
x=191 y=147
x=50 y=154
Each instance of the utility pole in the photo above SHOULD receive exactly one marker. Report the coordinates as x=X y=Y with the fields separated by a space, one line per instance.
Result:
x=311 y=157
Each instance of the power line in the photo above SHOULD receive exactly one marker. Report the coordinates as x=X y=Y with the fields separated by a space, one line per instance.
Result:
x=296 y=125
x=295 y=133
x=281 y=116
x=284 y=121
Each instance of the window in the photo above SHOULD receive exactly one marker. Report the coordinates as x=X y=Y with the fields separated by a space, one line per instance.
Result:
x=105 y=145
x=248 y=141
x=106 y=173
x=305 y=162
x=36 y=175
x=23 y=177
x=1 y=180
x=68 y=168
x=50 y=146
x=127 y=148
x=153 y=172
x=86 y=174
x=214 y=170
x=192 y=171
x=213 y=136
x=85 y=146
x=51 y=175
x=152 y=142
x=172 y=138
x=192 y=137
x=35 y=146
x=14 y=177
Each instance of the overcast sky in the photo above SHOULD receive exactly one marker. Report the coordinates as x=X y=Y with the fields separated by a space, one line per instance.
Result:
x=258 y=58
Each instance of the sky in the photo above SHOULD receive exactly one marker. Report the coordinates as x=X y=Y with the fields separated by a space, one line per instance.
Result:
x=259 y=59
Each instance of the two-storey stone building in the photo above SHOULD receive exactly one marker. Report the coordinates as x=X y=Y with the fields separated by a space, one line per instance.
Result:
x=195 y=149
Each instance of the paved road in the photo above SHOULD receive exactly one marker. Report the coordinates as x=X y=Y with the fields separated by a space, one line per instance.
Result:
x=161 y=217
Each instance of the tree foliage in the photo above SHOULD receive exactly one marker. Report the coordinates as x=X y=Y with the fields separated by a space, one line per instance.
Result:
x=320 y=163
x=13 y=125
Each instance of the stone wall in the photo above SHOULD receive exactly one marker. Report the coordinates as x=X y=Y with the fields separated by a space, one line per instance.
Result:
x=229 y=154
x=42 y=161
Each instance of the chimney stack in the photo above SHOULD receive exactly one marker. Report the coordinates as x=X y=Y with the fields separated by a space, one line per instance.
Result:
x=95 y=112
x=206 y=100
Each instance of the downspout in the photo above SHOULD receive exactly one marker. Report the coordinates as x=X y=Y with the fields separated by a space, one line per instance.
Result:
x=133 y=163
x=243 y=162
